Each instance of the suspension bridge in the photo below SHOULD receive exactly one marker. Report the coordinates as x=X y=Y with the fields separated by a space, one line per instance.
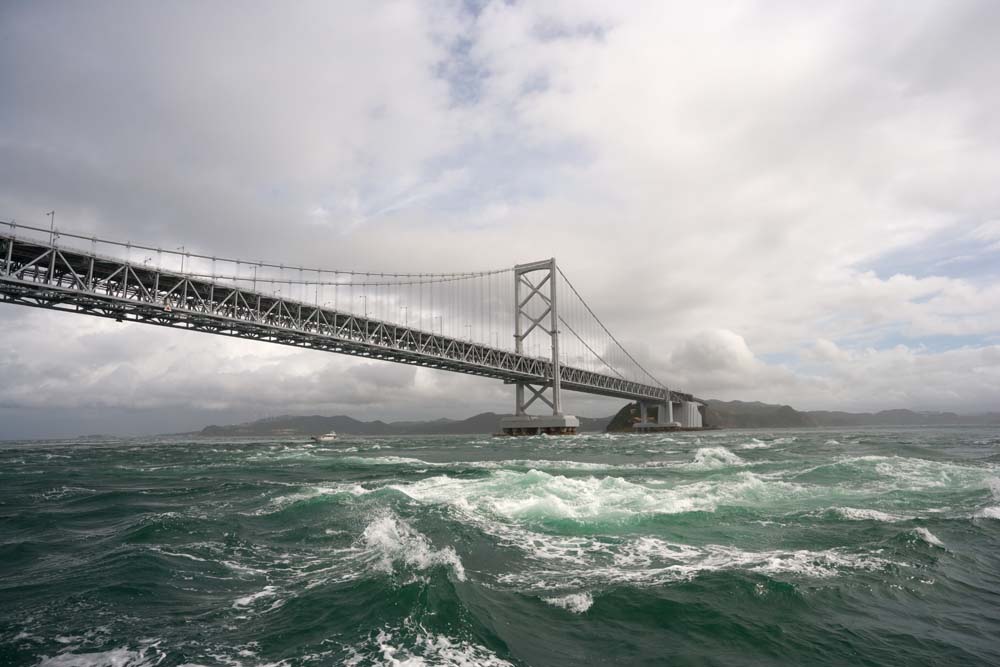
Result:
x=526 y=325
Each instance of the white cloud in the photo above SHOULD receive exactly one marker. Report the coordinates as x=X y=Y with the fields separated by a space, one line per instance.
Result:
x=719 y=364
x=988 y=233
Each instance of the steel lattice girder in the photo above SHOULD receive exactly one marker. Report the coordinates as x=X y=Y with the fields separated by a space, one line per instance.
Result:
x=33 y=273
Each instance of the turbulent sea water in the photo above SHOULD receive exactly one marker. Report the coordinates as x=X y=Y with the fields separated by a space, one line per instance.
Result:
x=874 y=547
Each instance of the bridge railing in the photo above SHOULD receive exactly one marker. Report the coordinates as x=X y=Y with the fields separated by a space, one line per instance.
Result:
x=40 y=273
x=434 y=302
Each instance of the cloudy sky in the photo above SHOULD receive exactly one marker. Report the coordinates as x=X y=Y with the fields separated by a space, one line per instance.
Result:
x=793 y=202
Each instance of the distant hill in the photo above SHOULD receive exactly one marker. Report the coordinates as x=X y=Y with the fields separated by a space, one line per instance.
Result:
x=725 y=414
x=743 y=414
x=624 y=419
x=901 y=418
x=487 y=422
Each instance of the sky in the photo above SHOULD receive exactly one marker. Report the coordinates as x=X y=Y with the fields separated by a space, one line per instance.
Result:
x=791 y=202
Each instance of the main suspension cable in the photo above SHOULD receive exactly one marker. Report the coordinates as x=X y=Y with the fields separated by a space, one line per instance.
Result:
x=610 y=335
x=186 y=254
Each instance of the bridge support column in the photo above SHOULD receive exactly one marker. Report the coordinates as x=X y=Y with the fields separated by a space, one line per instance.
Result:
x=665 y=417
x=689 y=414
x=538 y=309
x=665 y=414
x=644 y=424
x=7 y=255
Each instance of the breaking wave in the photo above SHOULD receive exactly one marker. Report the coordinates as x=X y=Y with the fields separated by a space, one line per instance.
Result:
x=928 y=537
x=538 y=495
x=650 y=561
x=710 y=458
x=389 y=541
x=853 y=514
x=412 y=645
x=574 y=602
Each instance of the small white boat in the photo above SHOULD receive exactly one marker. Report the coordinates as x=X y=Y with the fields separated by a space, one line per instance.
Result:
x=326 y=437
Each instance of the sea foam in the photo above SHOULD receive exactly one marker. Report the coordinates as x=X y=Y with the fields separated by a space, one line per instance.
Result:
x=535 y=495
x=119 y=657
x=248 y=600
x=853 y=514
x=754 y=443
x=388 y=540
x=928 y=537
x=429 y=648
x=654 y=562
x=574 y=602
x=710 y=458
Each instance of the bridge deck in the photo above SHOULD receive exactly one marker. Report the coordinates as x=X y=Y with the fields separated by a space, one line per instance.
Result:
x=35 y=273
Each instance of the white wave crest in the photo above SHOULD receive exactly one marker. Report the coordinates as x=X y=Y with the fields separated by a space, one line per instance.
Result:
x=119 y=657
x=389 y=461
x=650 y=561
x=504 y=464
x=66 y=492
x=818 y=564
x=574 y=602
x=903 y=473
x=538 y=464
x=853 y=514
x=248 y=600
x=536 y=495
x=687 y=560
x=991 y=512
x=928 y=537
x=441 y=650
x=754 y=443
x=328 y=489
x=710 y=458
x=388 y=540
x=417 y=647
x=916 y=473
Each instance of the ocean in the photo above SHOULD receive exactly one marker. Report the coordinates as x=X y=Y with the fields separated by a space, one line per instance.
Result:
x=812 y=547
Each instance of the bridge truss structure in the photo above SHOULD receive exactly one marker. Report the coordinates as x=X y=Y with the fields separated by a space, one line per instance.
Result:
x=513 y=321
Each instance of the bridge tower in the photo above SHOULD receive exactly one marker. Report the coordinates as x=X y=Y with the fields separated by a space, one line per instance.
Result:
x=536 y=307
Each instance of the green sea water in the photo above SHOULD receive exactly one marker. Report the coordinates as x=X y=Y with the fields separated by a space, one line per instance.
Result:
x=819 y=547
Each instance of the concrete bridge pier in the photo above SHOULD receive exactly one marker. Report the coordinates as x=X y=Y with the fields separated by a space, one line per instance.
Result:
x=686 y=415
x=689 y=414
x=664 y=417
x=665 y=414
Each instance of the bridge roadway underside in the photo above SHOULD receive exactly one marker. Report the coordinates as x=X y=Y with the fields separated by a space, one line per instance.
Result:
x=33 y=273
